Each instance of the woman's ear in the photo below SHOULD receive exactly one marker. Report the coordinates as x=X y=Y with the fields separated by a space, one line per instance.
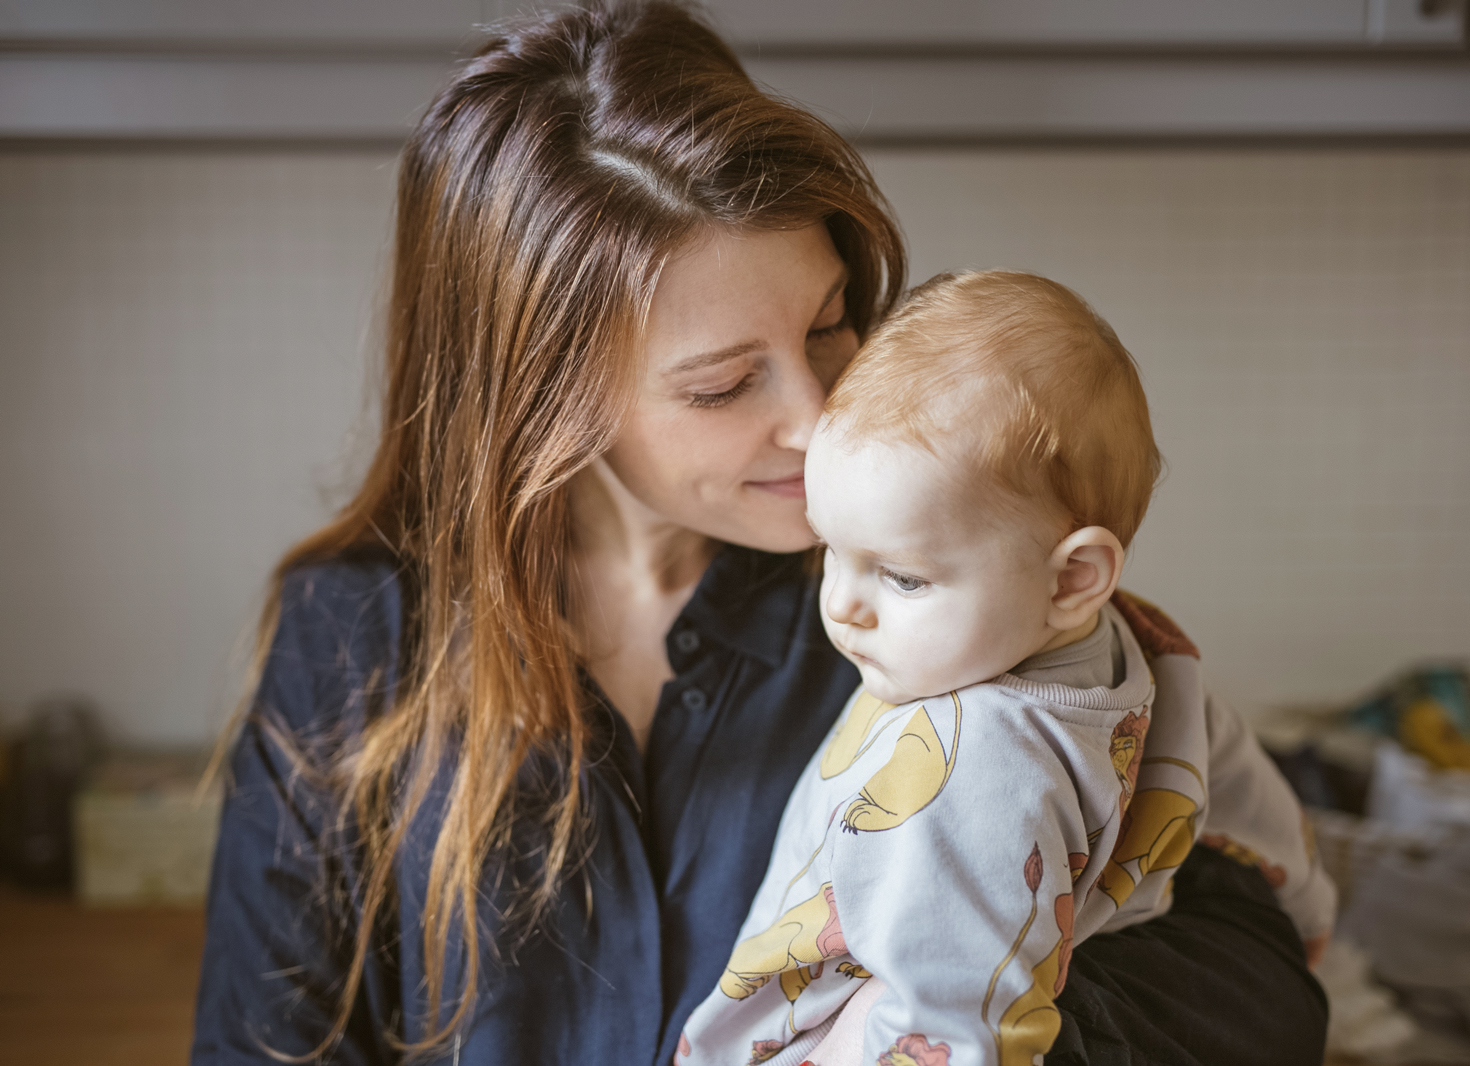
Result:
x=1087 y=566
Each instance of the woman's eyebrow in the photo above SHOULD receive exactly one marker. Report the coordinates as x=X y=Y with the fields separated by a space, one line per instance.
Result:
x=734 y=351
x=719 y=355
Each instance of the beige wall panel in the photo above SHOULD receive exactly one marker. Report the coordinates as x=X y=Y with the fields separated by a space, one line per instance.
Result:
x=183 y=341
x=1302 y=320
x=182 y=345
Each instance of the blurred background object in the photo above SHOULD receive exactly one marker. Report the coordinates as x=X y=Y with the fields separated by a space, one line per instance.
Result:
x=1390 y=803
x=1269 y=199
x=144 y=830
x=43 y=769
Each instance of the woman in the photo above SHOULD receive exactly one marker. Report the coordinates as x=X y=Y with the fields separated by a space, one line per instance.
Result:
x=530 y=707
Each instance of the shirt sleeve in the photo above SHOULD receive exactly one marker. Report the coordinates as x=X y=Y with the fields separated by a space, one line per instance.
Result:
x=971 y=932
x=280 y=925
x=1255 y=818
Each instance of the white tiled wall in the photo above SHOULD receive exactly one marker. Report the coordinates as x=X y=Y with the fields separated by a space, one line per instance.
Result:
x=183 y=340
x=182 y=343
x=1302 y=320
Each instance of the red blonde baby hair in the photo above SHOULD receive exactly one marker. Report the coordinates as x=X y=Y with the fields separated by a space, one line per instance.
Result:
x=1023 y=376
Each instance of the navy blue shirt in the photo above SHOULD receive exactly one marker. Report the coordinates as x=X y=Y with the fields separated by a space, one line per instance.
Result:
x=679 y=840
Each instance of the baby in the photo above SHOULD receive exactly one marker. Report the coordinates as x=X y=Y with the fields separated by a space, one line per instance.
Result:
x=1002 y=785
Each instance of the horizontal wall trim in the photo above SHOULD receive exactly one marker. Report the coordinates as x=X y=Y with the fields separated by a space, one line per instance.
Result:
x=1090 y=97
x=420 y=50
x=1135 y=142
x=44 y=145
x=1388 y=142
x=1226 y=52
x=1003 y=99
x=220 y=48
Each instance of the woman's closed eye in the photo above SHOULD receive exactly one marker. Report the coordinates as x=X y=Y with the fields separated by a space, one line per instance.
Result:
x=719 y=399
x=841 y=325
x=904 y=583
x=822 y=336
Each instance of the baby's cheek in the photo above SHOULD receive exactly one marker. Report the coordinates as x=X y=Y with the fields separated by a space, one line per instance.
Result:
x=928 y=655
x=953 y=656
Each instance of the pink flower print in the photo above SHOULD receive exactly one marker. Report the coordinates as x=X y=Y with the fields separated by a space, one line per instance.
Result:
x=915 y=1050
x=1033 y=868
x=761 y=1050
x=830 y=941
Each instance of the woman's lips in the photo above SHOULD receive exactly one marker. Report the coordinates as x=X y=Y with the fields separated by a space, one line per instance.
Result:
x=793 y=487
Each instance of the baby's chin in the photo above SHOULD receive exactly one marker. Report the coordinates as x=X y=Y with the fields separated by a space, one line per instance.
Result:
x=884 y=687
x=897 y=692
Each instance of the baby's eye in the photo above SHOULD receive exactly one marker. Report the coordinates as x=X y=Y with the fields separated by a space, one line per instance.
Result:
x=903 y=582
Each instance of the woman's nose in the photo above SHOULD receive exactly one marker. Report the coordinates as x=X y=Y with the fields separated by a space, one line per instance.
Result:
x=802 y=397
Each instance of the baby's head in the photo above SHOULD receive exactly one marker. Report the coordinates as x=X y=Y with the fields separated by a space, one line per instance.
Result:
x=979 y=472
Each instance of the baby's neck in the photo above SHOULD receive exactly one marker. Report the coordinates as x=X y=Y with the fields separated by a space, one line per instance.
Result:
x=1070 y=636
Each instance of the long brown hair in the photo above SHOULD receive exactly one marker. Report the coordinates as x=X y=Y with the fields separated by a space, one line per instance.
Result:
x=538 y=198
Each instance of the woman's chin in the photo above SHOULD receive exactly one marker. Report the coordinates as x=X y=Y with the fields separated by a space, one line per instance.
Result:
x=769 y=523
x=775 y=536
x=778 y=541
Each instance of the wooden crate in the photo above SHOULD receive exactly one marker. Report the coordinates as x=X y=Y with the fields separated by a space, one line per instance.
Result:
x=144 y=833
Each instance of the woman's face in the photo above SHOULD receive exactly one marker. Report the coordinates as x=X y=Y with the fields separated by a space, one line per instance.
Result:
x=747 y=332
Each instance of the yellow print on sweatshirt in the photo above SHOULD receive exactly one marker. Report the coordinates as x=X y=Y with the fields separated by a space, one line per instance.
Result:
x=909 y=781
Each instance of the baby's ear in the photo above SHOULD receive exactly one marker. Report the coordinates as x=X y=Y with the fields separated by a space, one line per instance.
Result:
x=1086 y=566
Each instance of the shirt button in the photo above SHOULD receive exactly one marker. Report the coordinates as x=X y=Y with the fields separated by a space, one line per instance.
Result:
x=693 y=699
x=686 y=640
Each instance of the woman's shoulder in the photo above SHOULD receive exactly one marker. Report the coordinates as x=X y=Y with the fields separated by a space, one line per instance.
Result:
x=346 y=595
x=337 y=643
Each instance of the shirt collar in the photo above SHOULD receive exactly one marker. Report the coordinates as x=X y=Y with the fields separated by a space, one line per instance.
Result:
x=749 y=600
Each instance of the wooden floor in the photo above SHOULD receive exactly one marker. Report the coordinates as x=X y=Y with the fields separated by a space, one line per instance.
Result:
x=99 y=987
x=93 y=986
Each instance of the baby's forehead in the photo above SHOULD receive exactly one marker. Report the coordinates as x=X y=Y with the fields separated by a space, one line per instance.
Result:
x=890 y=485
x=954 y=447
x=957 y=416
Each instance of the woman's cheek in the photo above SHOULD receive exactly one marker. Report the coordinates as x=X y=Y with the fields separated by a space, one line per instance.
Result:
x=716 y=447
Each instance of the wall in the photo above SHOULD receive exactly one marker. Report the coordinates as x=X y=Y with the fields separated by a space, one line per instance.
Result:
x=183 y=339
x=1302 y=321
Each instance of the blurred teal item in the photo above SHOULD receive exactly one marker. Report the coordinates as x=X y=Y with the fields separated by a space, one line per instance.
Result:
x=1427 y=710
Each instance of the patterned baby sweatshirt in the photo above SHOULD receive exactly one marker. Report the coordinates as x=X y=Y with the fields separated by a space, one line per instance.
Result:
x=958 y=846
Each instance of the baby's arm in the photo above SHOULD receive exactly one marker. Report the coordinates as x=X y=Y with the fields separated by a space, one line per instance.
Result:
x=964 y=909
x=1255 y=817
x=843 y=1044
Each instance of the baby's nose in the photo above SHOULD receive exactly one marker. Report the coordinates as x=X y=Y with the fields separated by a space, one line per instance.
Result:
x=847 y=608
